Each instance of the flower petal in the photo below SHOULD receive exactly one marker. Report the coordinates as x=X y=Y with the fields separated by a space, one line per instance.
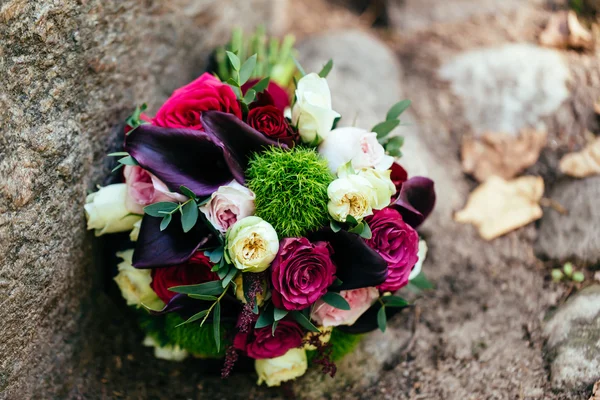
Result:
x=416 y=200
x=156 y=248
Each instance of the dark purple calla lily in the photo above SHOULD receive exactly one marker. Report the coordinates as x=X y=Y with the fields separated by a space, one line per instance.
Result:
x=155 y=248
x=357 y=264
x=368 y=321
x=415 y=200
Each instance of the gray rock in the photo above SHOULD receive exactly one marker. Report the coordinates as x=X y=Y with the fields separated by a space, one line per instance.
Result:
x=574 y=236
x=70 y=71
x=573 y=335
x=506 y=88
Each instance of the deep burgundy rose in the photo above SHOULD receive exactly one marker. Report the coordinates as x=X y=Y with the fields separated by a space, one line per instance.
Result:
x=301 y=273
x=397 y=243
x=274 y=95
x=398 y=176
x=186 y=104
x=262 y=343
x=196 y=270
x=270 y=121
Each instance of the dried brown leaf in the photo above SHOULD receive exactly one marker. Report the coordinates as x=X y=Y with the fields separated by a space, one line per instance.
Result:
x=497 y=206
x=582 y=163
x=565 y=31
x=501 y=154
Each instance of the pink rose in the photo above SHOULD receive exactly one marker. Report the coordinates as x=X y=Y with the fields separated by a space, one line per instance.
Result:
x=186 y=104
x=263 y=343
x=301 y=273
x=143 y=189
x=359 y=299
x=398 y=244
x=229 y=204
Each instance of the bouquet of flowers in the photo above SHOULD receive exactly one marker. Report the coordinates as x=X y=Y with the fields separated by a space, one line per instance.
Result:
x=258 y=228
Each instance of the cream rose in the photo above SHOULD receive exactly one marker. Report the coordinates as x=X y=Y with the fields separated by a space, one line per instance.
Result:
x=134 y=283
x=383 y=187
x=107 y=212
x=312 y=112
x=135 y=232
x=359 y=299
x=351 y=195
x=168 y=352
x=289 y=366
x=228 y=204
x=355 y=145
x=252 y=244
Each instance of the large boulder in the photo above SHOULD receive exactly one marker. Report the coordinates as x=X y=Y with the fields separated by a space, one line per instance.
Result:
x=70 y=71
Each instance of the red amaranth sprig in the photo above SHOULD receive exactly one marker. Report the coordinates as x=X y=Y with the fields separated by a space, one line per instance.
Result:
x=231 y=357
x=247 y=317
x=324 y=354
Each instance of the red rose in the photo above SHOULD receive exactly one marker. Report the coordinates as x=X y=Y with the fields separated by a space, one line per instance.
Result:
x=274 y=95
x=397 y=243
x=196 y=270
x=186 y=104
x=269 y=120
x=398 y=176
x=262 y=343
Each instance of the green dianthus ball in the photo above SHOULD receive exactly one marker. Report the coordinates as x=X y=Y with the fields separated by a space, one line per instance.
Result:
x=196 y=339
x=291 y=189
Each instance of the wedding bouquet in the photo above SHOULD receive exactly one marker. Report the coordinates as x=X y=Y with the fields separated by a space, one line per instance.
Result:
x=258 y=228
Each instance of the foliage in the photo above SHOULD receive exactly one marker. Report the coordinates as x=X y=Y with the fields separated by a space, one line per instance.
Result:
x=194 y=338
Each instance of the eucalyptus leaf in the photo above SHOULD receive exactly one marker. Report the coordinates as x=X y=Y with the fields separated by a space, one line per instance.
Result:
x=215 y=255
x=195 y=317
x=358 y=229
x=397 y=109
x=394 y=145
x=381 y=319
x=336 y=300
x=385 y=127
x=351 y=220
x=189 y=215
x=165 y=222
x=217 y=325
x=265 y=318
x=250 y=96
x=154 y=210
x=337 y=282
x=234 y=60
x=279 y=314
x=299 y=67
x=335 y=227
x=212 y=288
x=366 y=232
x=230 y=275
x=187 y=192
x=421 y=282
x=274 y=328
x=223 y=271
x=326 y=69
x=203 y=297
x=128 y=161
x=118 y=154
x=394 y=301
x=261 y=85
x=247 y=69
x=304 y=322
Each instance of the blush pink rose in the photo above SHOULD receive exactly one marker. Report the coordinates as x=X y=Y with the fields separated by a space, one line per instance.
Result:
x=144 y=189
x=229 y=204
x=185 y=106
x=359 y=299
x=398 y=244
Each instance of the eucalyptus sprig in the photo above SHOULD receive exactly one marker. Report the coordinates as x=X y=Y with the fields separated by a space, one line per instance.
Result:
x=388 y=301
x=393 y=144
x=165 y=210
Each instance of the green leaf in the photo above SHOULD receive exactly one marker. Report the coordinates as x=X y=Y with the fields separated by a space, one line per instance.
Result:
x=351 y=220
x=568 y=269
x=421 y=282
x=203 y=297
x=557 y=275
x=234 y=60
x=134 y=120
x=212 y=288
x=381 y=319
x=187 y=192
x=274 y=328
x=305 y=322
x=237 y=91
x=385 y=127
x=165 y=222
x=366 y=231
x=394 y=301
x=224 y=270
x=189 y=215
x=279 y=314
x=195 y=317
x=118 y=154
x=250 y=96
x=358 y=229
x=217 y=325
x=337 y=282
x=128 y=161
x=397 y=109
x=336 y=300
x=578 y=276
x=247 y=69
x=215 y=255
x=298 y=66
x=154 y=210
x=230 y=275
x=394 y=145
x=261 y=85
x=265 y=318
x=335 y=227
x=326 y=69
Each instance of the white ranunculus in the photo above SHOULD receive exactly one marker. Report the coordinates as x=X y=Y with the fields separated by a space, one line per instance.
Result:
x=135 y=232
x=252 y=244
x=383 y=186
x=352 y=195
x=168 y=352
x=106 y=210
x=422 y=255
x=312 y=112
x=134 y=283
x=354 y=145
x=284 y=368
x=229 y=204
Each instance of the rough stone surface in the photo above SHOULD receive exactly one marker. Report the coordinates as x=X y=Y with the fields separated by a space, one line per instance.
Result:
x=573 y=335
x=70 y=71
x=575 y=236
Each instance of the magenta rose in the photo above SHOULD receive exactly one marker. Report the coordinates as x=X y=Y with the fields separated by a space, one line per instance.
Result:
x=185 y=106
x=262 y=343
x=398 y=244
x=144 y=189
x=359 y=300
x=301 y=273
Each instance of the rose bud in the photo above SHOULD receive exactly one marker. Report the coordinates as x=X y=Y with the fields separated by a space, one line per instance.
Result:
x=252 y=244
x=273 y=371
x=229 y=204
x=269 y=120
x=359 y=300
x=106 y=210
x=144 y=189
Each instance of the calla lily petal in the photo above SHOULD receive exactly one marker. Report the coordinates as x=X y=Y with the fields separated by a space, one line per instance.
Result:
x=415 y=200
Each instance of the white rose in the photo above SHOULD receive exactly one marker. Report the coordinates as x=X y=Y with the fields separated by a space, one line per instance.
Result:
x=134 y=283
x=422 y=254
x=383 y=186
x=354 y=145
x=135 y=232
x=312 y=112
x=106 y=210
x=168 y=352
x=352 y=195
x=229 y=204
x=252 y=244
x=289 y=366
